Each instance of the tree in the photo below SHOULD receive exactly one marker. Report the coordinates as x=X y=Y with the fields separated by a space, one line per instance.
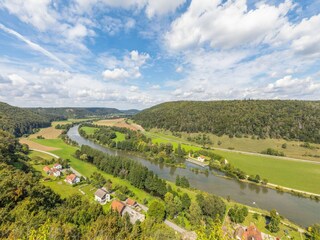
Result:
x=156 y=211
x=238 y=214
x=170 y=205
x=186 y=201
x=195 y=213
x=178 y=181
x=212 y=232
x=314 y=232
x=273 y=225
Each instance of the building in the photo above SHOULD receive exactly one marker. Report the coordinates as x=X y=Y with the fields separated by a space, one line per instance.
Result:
x=118 y=206
x=252 y=233
x=238 y=233
x=131 y=202
x=102 y=195
x=201 y=158
x=57 y=166
x=55 y=172
x=47 y=169
x=72 y=179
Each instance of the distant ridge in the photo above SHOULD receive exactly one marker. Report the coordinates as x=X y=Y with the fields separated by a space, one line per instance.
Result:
x=288 y=119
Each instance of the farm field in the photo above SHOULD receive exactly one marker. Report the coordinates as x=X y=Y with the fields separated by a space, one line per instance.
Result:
x=119 y=122
x=293 y=148
x=48 y=133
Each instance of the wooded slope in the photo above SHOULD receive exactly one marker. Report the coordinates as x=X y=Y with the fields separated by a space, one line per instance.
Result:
x=263 y=118
x=20 y=121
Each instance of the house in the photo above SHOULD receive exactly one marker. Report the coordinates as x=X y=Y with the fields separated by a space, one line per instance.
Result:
x=72 y=179
x=133 y=214
x=57 y=166
x=55 y=172
x=201 y=158
x=47 y=169
x=131 y=202
x=117 y=206
x=102 y=195
x=252 y=233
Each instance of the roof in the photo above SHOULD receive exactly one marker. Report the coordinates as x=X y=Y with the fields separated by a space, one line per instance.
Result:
x=54 y=170
x=252 y=232
x=100 y=193
x=71 y=177
x=202 y=156
x=117 y=206
x=57 y=164
x=46 y=169
x=239 y=232
x=131 y=201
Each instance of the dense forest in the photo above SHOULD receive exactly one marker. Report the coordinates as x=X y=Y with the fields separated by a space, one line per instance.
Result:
x=288 y=119
x=20 y=121
x=75 y=112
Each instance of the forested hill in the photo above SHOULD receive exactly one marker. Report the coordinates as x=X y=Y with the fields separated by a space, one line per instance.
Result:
x=75 y=112
x=287 y=119
x=20 y=121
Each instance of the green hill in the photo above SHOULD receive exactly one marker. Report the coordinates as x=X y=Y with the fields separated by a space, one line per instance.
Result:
x=288 y=119
x=76 y=112
x=20 y=121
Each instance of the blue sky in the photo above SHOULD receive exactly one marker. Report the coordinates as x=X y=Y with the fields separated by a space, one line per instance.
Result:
x=138 y=53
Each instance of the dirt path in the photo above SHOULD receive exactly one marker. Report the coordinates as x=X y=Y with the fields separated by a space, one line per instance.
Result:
x=51 y=154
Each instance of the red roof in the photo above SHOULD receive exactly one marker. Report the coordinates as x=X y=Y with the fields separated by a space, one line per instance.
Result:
x=57 y=164
x=46 y=169
x=71 y=177
x=117 y=206
x=131 y=202
x=252 y=232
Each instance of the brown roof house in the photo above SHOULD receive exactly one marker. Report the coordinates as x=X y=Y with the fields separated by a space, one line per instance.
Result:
x=72 y=179
x=131 y=202
x=47 y=169
x=102 y=195
x=252 y=233
x=118 y=206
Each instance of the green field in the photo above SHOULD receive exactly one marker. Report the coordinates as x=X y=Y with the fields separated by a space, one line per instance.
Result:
x=287 y=173
x=89 y=130
x=120 y=137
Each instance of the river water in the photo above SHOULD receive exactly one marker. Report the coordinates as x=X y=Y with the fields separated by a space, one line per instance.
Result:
x=302 y=211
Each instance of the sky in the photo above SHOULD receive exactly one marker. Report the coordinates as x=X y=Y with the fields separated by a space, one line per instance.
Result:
x=138 y=53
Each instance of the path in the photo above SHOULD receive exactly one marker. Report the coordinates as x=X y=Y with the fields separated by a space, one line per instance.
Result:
x=49 y=153
x=292 y=189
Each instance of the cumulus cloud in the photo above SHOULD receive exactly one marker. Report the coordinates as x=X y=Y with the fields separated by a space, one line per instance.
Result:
x=226 y=24
x=128 y=67
x=156 y=7
x=113 y=25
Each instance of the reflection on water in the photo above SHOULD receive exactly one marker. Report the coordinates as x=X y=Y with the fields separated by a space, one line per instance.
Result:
x=299 y=210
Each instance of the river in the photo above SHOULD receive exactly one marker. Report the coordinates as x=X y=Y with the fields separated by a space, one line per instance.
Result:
x=302 y=211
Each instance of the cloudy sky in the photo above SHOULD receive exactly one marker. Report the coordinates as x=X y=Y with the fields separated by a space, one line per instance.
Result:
x=137 y=53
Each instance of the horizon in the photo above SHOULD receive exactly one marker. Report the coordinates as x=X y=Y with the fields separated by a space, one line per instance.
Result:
x=139 y=53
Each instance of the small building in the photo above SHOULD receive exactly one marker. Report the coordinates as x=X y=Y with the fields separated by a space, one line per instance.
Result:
x=252 y=233
x=47 y=169
x=55 y=172
x=238 y=233
x=102 y=195
x=57 y=166
x=118 y=206
x=131 y=202
x=72 y=179
x=201 y=158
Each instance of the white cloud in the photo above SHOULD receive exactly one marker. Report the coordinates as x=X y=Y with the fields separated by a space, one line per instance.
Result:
x=33 y=45
x=127 y=68
x=156 y=7
x=113 y=25
x=179 y=69
x=226 y=25
x=116 y=74
x=37 y=13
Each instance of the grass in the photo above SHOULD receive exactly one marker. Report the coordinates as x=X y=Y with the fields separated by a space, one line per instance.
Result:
x=120 y=137
x=89 y=130
x=287 y=173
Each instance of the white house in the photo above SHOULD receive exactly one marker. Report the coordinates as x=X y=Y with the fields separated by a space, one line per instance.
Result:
x=102 y=195
x=72 y=179
x=55 y=172
x=57 y=166
x=201 y=158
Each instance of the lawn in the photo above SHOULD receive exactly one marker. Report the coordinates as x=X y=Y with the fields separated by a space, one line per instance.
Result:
x=279 y=171
x=89 y=130
x=120 y=137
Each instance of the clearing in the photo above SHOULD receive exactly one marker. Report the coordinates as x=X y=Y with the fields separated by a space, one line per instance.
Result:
x=119 y=122
x=48 y=133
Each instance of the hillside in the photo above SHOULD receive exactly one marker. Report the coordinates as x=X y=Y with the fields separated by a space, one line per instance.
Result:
x=20 y=121
x=74 y=112
x=263 y=118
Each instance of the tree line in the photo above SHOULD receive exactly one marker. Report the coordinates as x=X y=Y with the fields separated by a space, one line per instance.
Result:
x=287 y=119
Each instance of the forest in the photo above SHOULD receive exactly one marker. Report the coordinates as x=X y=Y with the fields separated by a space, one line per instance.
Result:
x=287 y=119
x=73 y=112
x=20 y=121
